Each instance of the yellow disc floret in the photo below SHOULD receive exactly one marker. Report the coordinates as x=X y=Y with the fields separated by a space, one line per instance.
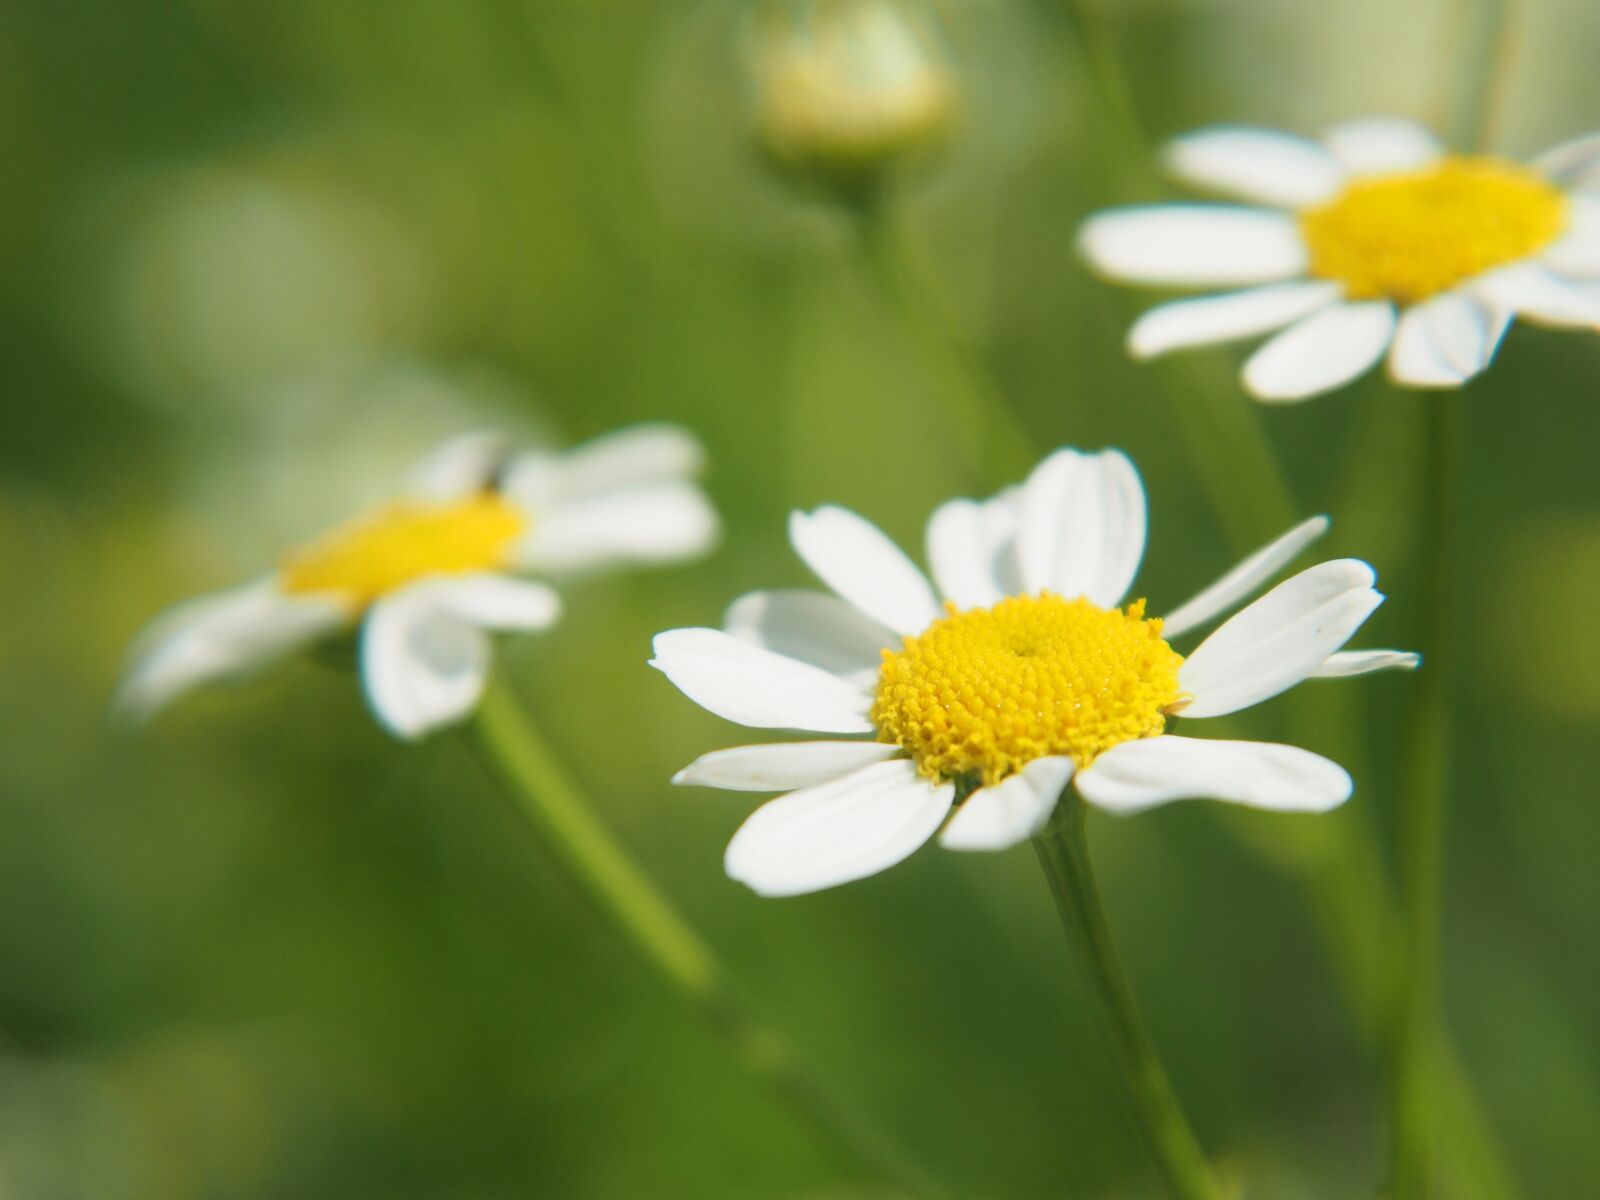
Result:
x=403 y=541
x=980 y=694
x=1412 y=235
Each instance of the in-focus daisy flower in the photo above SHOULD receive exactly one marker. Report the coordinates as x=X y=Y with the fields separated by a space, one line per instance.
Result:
x=1373 y=240
x=426 y=578
x=847 y=88
x=1030 y=674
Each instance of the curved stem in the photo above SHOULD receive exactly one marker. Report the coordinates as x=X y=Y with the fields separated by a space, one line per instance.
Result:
x=548 y=799
x=984 y=422
x=1064 y=853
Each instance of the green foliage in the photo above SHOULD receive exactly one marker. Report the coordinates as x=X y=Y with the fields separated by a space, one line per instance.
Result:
x=254 y=256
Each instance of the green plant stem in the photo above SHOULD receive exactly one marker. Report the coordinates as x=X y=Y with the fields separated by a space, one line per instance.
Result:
x=998 y=448
x=1483 y=48
x=1424 y=783
x=1357 y=909
x=1425 y=771
x=1064 y=853
x=548 y=799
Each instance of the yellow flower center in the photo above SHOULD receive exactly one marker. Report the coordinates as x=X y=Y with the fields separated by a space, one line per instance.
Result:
x=981 y=694
x=403 y=541
x=1412 y=235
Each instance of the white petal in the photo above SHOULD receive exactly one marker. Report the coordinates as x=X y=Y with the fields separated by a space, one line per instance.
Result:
x=652 y=523
x=967 y=543
x=423 y=666
x=956 y=555
x=994 y=818
x=1279 y=639
x=1082 y=526
x=1577 y=253
x=1415 y=359
x=217 y=637
x=1325 y=351
x=1447 y=340
x=836 y=832
x=1466 y=331
x=1574 y=163
x=637 y=456
x=782 y=765
x=1242 y=579
x=756 y=687
x=1226 y=318
x=1142 y=774
x=1193 y=245
x=1364 y=662
x=461 y=466
x=495 y=601
x=814 y=627
x=854 y=558
x=1258 y=165
x=1534 y=293
x=1378 y=145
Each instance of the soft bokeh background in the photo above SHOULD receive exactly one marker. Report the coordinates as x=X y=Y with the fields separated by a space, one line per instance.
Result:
x=255 y=256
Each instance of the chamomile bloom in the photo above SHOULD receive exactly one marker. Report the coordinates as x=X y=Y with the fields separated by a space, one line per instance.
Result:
x=426 y=578
x=1031 y=674
x=1374 y=240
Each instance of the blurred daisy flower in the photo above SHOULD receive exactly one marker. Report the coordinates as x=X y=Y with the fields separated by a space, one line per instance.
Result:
x=1028 y=676
x=426 y=578
x=847 y=88
x=1373 y=241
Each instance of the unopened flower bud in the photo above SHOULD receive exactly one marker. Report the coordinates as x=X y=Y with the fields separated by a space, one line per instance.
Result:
x=847 y=89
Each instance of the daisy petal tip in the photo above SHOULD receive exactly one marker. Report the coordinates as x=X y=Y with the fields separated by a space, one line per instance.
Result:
x=1139 y=346
x=664 y=643
x=1437 y=378
x=1359 y=572
x=800 y=521
x=1264 y=393
x=1337 y=793
x=129 y=712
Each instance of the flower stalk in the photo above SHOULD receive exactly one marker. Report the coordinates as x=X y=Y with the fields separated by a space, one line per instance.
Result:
x=1064 y=853
x=546 y=797
x=1425 y=778
x=1375 y=937
x=1420 y=834
x=982 y=417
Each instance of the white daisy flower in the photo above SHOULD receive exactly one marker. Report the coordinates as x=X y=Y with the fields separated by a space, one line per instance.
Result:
x=1029 y=675
x=426 y=578
x=1373 y=241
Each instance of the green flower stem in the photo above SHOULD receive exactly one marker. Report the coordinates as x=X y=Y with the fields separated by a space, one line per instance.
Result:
x=1064 y=854
x=1483 y=49
x=547 y=798
x=1424 y=782
x=986 y=427
x=1355 y=904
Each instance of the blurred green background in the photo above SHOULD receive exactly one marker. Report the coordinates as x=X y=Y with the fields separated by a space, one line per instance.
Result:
x=254 y=257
